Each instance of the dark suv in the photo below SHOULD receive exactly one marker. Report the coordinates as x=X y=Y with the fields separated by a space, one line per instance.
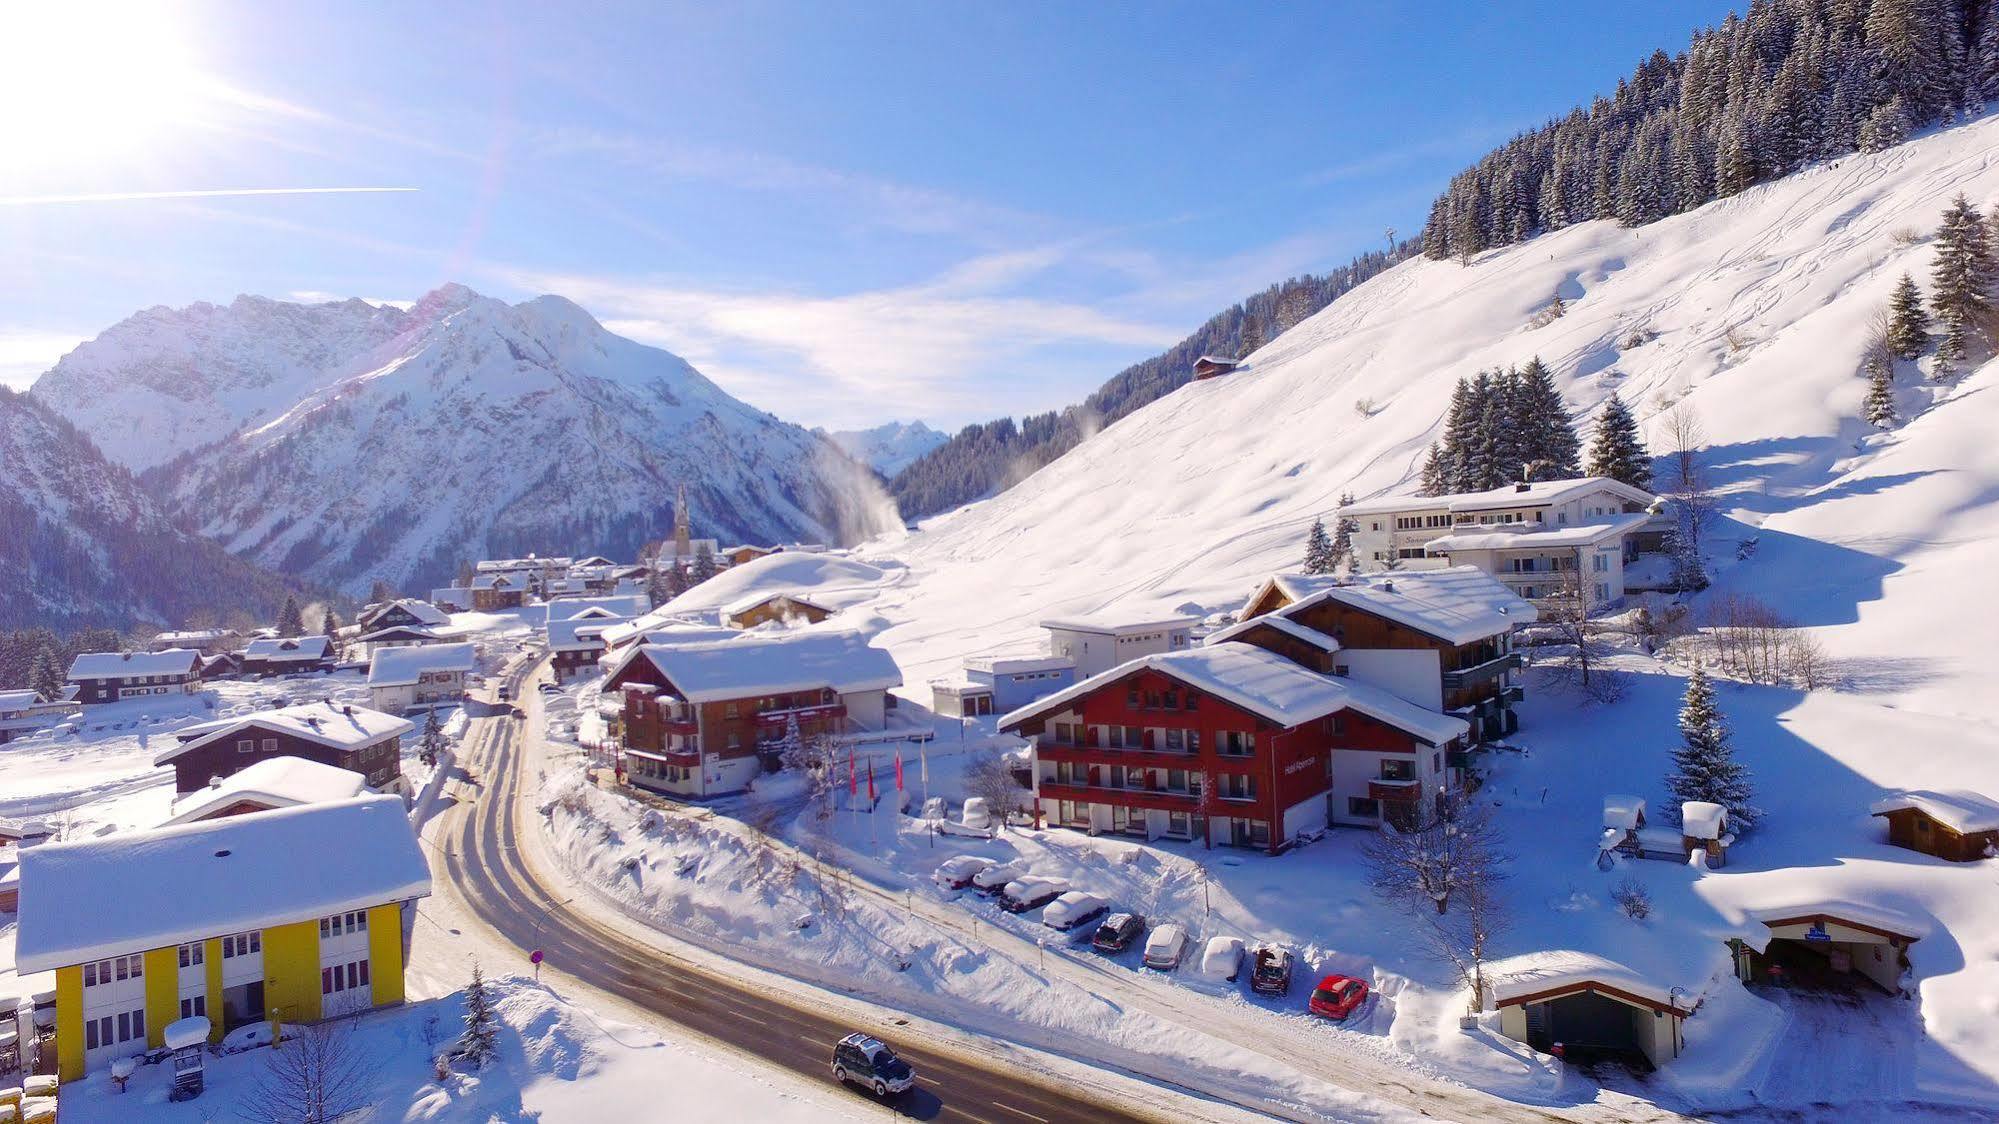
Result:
x=1117 y=932
x=867 y=1061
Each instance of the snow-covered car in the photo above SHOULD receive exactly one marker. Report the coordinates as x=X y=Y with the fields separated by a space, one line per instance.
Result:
x=1270 y=970
x=957 y=872
x=977 y=814
x=1337 y=997
x=1032 y=892
x=1117 y=932
x=993 y=879
x=1165 y=948
x=1223 y=959
x=864 y=1060
x=1074 y=909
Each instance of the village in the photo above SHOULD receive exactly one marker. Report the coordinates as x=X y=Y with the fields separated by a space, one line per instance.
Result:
x=1374 y=709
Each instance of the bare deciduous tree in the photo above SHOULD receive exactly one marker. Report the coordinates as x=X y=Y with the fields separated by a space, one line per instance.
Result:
x=1567 y=611
x=1424 y=866
x=317 y=1075
x=991 y=778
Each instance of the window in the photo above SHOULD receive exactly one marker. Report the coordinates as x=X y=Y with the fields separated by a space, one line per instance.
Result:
x=1131 y=697
x=193 y=1006
x=270 y=745
x=1173 y=700
x=192 y=954
x=1234 y=786
x=1393 y=769
x=1436 y=762
x=1235 y=743
x=246 y=745
x=242 y=944
x=730 y=710
x=342 y=923
x=343 y=977
x=1362 y=806
x=1175 y=740
x=1065 y=733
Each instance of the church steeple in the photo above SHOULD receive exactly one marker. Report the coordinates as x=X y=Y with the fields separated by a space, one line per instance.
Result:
x=682 y=548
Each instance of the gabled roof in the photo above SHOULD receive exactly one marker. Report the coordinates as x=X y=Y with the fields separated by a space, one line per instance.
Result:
x=396 y=632
x=745 y=604
x=1458 y=605
x=1264 y=684
x=337 y=727
x=1547 y=975
x=116 y=665
x=395 y=667
x=423 y=611
x=274 y=782
x=192 y=881
x=1113 y=624
x=1958 y=809
x=1540 y=493
x=579 y=633
x=757 y=663
x=1533 y=536
x=18 y=700
x=290 y=649
x=1281 y=623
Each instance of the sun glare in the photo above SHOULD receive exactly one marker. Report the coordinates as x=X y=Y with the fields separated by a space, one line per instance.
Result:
x=83 y=85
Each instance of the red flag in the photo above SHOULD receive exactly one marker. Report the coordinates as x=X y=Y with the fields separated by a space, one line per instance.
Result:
x=853 y=782
x=871 y=780
x=898 y=770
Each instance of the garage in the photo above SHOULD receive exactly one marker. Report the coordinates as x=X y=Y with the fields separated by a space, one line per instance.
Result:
x=1829 y=948
x=1594 y=1010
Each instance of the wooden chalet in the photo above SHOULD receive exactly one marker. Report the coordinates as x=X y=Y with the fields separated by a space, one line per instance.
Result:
x=1956 y=824
x=356 y=738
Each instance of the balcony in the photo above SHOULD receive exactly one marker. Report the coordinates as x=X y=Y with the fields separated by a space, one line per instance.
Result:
x=1479 y=673
x=1399 y=792
x=686 y=758
x=1113 y=755
x=1163 y=799
x=778 y=717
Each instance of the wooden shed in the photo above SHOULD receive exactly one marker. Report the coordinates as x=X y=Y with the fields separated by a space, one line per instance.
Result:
x=1955 y=824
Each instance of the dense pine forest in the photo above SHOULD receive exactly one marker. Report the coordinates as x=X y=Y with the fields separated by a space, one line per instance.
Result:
x=1792 y=83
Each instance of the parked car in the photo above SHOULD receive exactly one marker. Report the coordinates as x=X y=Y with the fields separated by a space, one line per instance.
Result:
x=506 y=692
x=1032 y=892
x=864 y=1060
x=547 y=686
x=1270 y=970
x=1223 y=958
x=1074 y=910
x=1118 y=932
x=993 y=879
x=1165 y=948
x=957 y=873
x=1337 y=997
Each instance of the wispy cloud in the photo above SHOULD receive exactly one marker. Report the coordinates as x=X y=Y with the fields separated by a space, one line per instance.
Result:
x=27 y=352
x=206 y=193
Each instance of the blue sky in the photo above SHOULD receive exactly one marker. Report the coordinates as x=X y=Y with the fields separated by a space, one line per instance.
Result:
x=841 y=212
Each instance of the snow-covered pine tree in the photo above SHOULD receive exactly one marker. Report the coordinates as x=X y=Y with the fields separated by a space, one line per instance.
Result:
x=1508 y=439
x=676 y=580
x=1616 y=449
x=657 y=591
x=1252 y=336
x=433 y=738
x=480 y=1041
x=1908 y=323
x=291 y=620
x=1704 y=765
x=45 y=678
x=1478 y=460
x=1961 y=280
x=1460 y=432
x=1318 y=549
x=1435 y=480
x=1548 y=441
x=1344 y=526
x=704 y=564
x=1879 y=408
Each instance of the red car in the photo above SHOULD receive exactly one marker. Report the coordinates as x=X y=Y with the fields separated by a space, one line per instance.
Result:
x=1336 y=997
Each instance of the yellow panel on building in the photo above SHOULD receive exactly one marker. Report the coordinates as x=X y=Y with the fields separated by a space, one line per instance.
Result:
x=291 y=972
x=385 y=954
x=69 y=1022
x=162 y=993
x=211 y=955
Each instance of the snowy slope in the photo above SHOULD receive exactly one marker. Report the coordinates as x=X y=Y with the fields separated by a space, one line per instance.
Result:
x=472 y=428
x=888 y=448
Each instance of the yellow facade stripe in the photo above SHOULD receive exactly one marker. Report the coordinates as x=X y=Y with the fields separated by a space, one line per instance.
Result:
x=212 y=957
x=162 y=971
x=385 y=954
x=69 y=1022
x=291 y=972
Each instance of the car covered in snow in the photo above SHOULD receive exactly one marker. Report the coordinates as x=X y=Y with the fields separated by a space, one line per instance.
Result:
x=1166 y=947
x=1032 y=892
x=864 y=1060
x=1222 y=961
x=993 y=879
x=1270 y=970
x=1073 y=910
x=1337 y=997
x=957 y=873
x=1117 y=932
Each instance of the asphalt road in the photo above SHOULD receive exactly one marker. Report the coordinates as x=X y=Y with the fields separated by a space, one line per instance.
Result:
x=500 y=889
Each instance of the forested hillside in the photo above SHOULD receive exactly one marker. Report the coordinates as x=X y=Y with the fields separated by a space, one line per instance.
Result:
x=1792 y=83
x=985 y=458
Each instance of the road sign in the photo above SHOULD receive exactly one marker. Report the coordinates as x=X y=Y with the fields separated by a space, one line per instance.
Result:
x=535 y=959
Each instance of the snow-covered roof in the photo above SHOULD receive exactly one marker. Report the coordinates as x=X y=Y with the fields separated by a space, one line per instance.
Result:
x=189 y=636
x=392 y=667
x=1220 y=360
x=1540 y=493
x=493 y=581
x=1019 y=665
x=1458 y=604
x=1958 y=809
x=337 y=727
x=423 y=611
x=192 y=881
x=745 y=604
x=579 y=633
x=1536 y=536
x=1624 y=813
x=274 y=782
x=762 y=663
x=397 y=632
x=289 y=649
x=1113 y=624
x=116 y=665
x=1869 y=916
x=18 y=700
x=1540 y=973
x=1281 y=623
x=1702 y=820
x=1264 y=684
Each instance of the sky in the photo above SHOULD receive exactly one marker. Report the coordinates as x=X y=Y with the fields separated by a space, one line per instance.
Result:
x=842 y=213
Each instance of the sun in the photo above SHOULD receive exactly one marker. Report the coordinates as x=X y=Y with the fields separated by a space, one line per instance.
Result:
x=87 y=84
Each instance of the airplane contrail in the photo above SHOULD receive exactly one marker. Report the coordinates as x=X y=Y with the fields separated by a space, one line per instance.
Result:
x=126 y=196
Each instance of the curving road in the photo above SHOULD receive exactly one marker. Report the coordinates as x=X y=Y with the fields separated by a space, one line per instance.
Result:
x=483 y=868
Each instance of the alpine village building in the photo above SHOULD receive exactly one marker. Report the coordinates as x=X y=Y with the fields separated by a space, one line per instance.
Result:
x=105 y=677
x=1328 y=703
x=705 y=718
x=356 y=738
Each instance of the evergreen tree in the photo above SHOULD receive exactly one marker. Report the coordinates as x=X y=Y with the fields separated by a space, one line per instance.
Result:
x=465 y=574
x=479 y=1043
x=1880 y=405
x=433 y=738
x=1704 y=765
x=1318 y=549
x=46 y=677
x=291 y=621
x=1548 y=445
x=382 y=591
x=1908 y=323
x=1436 y=478
x=704 y=564
x=1616 y=449
x=676 y=580
x=657 y=590
x=1961 y=281
x=1252 y=336
x=1344 y=526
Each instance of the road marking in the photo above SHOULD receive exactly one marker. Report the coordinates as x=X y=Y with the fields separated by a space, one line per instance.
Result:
x=1019 y=1111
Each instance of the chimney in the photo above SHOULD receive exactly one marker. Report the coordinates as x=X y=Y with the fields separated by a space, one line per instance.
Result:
x=215 y=782
x=1522 y=486
x=1388 y=586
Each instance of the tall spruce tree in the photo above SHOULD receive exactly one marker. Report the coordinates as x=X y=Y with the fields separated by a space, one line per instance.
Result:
x=1548 y=445
x=1344 y=526
x=1704 y=765
x=1961 y=281
x=46 y=676
x=1318 y=549
x=291 y=620
x=1908 y=323
x=704 y=564
x=480 y=1041
x=1435 y=480
x=1879 y=407
x=1616 y=449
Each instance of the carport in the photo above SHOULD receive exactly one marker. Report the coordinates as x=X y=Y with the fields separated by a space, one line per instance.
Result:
x=1828 y=947
x=1593 y=1008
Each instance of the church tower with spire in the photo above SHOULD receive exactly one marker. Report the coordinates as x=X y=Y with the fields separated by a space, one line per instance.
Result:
x=682 y=547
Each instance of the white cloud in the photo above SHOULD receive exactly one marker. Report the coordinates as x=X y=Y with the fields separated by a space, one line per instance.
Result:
x=26 y=352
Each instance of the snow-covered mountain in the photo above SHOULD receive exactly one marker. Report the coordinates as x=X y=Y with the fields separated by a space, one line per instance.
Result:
x=888 y=448
x=346 y=442
x=84 y=545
